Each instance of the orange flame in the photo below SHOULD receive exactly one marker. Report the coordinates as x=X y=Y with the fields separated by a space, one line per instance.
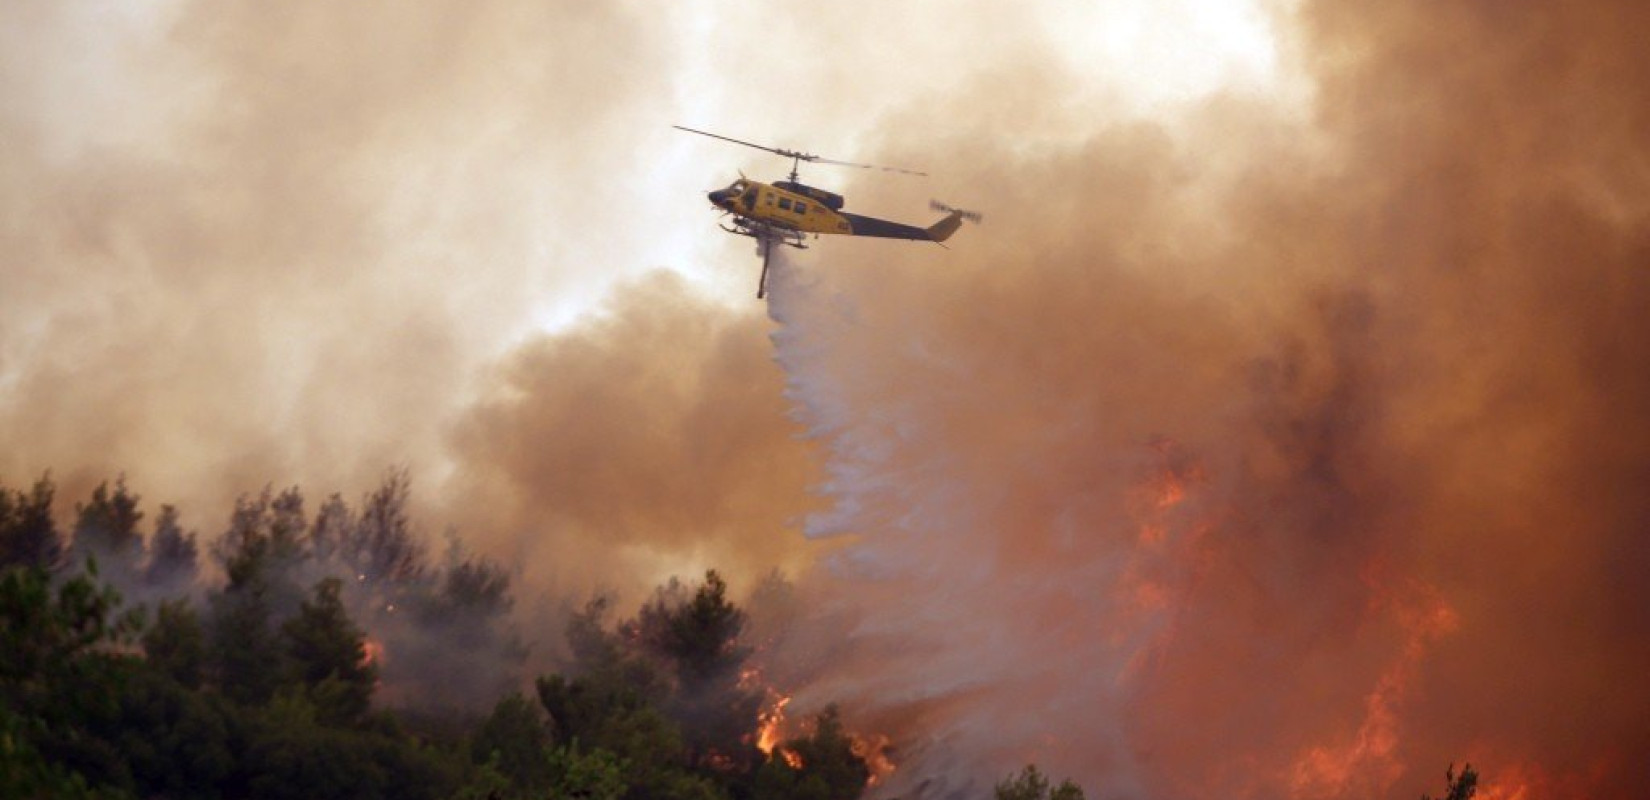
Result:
x=1528 y=780
x=1162 y=567
x=874 y=750
x=770 y=724
x=1367 y=765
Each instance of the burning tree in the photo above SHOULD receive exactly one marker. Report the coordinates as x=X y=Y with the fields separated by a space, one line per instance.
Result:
x=822 y=766
x=666 y=693
x=698 y=643
x=1030 y=784
x=1458 y=787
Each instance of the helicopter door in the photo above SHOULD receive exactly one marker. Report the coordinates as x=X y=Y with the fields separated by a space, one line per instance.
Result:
x=749 y=198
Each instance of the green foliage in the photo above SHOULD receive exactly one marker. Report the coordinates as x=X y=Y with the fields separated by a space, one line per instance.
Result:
x=173 y=554
x=381 y=547
x=609 y=711
x=1458 y=787
x=291 y=753
x=51 y=641
x=512 y=743
x=260 y=553
x=28 y=534
x=264 y=541
x=475 y=585
x=612 y=685
x=265 y=690
x=175 y=740
x=1030 y=784
x=106 y=527
x=698 y=640
x=699 y=637
x=26 y=772
x=244 y=654
x=326 y=653
x=61 y=679
x=664 y=695
x=331 y=528
x=460 y=609
x=175 y=644
x=597 y=774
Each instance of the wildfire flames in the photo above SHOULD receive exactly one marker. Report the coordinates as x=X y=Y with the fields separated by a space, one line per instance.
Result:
x=875 y=750
x=770 y=725
x=1367 y=765
x=771 y=732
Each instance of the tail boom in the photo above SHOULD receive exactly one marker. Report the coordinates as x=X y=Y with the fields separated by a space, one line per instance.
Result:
x=938 y=232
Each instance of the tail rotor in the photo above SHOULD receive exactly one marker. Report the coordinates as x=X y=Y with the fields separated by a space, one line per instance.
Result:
x=972 y=216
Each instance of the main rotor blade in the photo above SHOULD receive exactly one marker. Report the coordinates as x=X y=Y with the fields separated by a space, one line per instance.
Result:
x=809 y=157
x=775 y=150
x=868 y=166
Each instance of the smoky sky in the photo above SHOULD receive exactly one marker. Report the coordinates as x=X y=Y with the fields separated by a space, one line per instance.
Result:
x=247 y=244
x=1255 y=448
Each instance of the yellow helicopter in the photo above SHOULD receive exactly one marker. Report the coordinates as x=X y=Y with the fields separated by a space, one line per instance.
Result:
x=784 y=212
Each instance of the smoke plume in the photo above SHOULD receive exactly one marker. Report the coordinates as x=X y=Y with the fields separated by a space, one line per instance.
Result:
x=1277 y=442
x=247 y=244
x=650 y=443
x=1247 y=458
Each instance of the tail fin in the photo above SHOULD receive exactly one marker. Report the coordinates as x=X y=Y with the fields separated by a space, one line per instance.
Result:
x=942 y=230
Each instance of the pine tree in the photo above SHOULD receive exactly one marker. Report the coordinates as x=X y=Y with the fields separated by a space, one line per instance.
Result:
x=173 y=554
x=176 y=644
x=1030 y=784
x=381 y=547
x=331 y=529
x=28 y=534
x=244 y=654
x=107 y=527
x=826 y=766
x=699 y=639
x=327 y=654
x=1458 y=787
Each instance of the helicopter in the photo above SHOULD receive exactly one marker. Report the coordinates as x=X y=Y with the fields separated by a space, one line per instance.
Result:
x=785 y=212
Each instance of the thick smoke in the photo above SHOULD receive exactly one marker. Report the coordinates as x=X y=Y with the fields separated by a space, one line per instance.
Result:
x=1266 y=449
x=252 y=243
x=650 y=443
x=1300 y=478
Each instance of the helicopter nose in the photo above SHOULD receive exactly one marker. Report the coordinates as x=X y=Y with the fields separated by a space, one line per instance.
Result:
x=718 y=197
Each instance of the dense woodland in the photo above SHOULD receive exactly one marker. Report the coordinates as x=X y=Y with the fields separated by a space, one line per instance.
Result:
x=245 y=670
x=161 y=666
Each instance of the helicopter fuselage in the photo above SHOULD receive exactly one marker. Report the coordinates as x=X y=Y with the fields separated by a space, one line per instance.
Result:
x=791 y=207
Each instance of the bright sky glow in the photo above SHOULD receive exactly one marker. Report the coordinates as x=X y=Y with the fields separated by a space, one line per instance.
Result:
x=1167 y=52
x=1123 y=58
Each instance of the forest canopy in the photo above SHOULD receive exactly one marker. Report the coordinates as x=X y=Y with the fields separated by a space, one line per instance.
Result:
x=255 y=664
